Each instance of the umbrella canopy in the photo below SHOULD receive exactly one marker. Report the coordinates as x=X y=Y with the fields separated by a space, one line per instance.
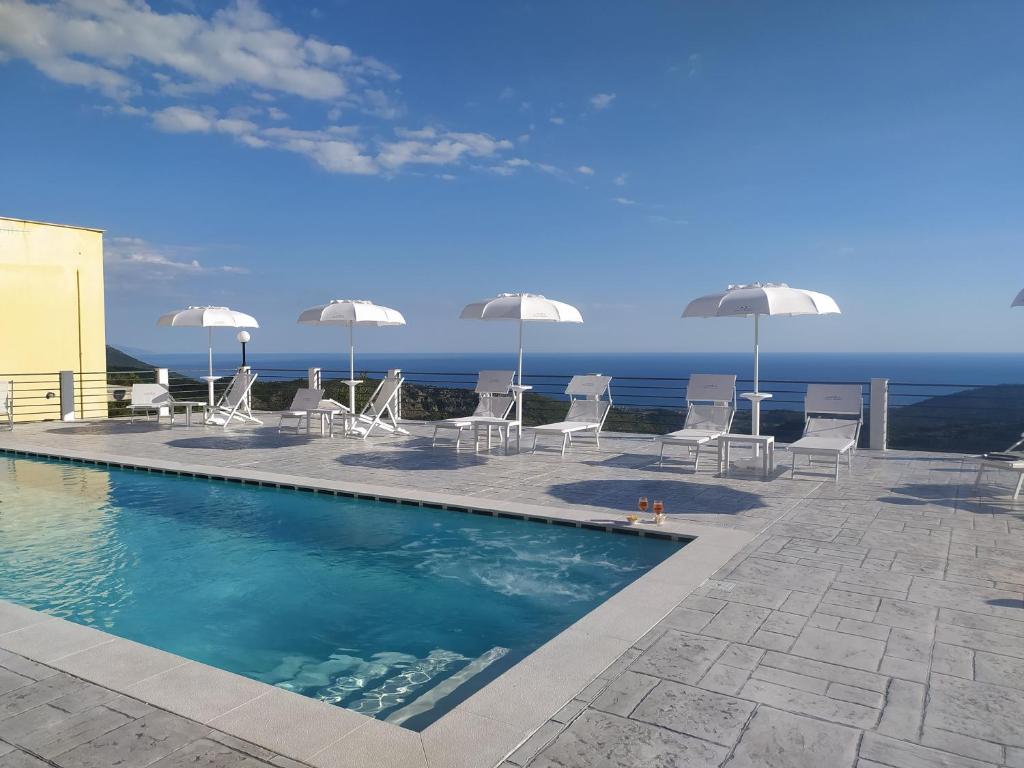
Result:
x=351 y=312
x=522 y=307
x=210 y=318
x=1019 y=301
x=755 y=300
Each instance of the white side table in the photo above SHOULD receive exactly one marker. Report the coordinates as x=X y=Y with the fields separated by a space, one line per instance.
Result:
x=209 y=384
x=763 y=444
x=326 y=417
x=188 y=405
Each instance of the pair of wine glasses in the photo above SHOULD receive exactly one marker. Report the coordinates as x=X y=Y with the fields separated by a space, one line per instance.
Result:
x=658 y=508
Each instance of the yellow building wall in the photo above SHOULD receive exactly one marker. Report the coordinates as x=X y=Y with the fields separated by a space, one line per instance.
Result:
x=52 y=316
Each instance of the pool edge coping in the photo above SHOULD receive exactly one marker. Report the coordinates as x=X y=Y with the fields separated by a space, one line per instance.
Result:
x=489 y=725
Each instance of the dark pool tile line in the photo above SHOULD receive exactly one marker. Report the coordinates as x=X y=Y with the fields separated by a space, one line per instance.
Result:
x=346 y=494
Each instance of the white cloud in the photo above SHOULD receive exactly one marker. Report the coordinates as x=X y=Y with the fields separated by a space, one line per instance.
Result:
x=602 y=100
x=557 y=120
x=100 y=43
x=507 y=93
x=135 y=259
x=334 y=155
x=182 y=120
x=144 y=57
x=586 y=170
x=620 y=180
x=623 y=201
x=429 y=146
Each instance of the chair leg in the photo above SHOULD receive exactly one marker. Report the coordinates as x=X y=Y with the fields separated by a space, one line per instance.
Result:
x=597 y=439
x=837 y=467
x=568 y=439
x=661 y=455
x=534 y=443
x=792 y=468
x=1020 y=482
x=696 y=460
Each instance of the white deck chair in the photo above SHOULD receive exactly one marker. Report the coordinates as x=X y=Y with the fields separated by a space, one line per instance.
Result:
x=1010 y=460
x=382 y=411
x=495 y=402
x=587 y=411
x=833 y=414
x=7 y=403
x=155 y=399
x=710 y=408
x=305 y=400
x=234 y=403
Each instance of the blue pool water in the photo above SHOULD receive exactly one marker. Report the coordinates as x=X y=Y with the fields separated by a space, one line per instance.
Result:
x=398 y=612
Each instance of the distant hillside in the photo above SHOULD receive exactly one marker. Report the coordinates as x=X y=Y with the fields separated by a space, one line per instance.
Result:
x=972 y=421
x=121 y=361
x=975 y=420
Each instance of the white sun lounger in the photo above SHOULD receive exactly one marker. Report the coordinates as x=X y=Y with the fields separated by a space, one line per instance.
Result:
x=587 y=411
x=7 y=402
x=1010 y=460
x=833 y=414
x=492 y=409
x=155 y=398
x=305 y=400
x=710 y=408
x=234 y=403
x=381 y=412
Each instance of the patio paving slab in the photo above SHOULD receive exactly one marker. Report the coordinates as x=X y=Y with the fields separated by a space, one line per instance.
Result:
x=877 y=621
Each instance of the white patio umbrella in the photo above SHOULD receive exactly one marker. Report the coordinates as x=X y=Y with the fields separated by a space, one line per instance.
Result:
x=209 y=318
x=524 y=308
x=755 y=300
x=351 y=312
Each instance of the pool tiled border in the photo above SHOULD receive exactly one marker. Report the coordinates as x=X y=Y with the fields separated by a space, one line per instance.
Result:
x=478 y=733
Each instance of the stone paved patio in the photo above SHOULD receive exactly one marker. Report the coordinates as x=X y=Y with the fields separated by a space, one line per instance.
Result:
x=874 y=622
x=49 y=718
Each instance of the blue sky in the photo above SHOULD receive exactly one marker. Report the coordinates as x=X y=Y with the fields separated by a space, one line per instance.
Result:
x=623 y=157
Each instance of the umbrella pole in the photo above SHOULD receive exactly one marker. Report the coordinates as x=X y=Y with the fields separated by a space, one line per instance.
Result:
x=209 y=354
x=520 y=382
x=351 y=369
x=755 y=416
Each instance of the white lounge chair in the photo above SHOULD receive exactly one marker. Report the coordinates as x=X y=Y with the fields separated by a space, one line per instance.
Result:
x=710 y=408
x=234 y=403
x=155 y=399
x=305 y=400
x=1010 y=460
x=833 y=414
x=7 y=402
x=587 y=411
x=495 y=402
x=382 y=410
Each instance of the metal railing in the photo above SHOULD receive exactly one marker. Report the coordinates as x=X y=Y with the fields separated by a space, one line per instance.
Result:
x=955 y=417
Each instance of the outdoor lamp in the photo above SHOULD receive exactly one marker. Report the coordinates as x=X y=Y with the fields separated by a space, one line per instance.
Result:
x=243 y=338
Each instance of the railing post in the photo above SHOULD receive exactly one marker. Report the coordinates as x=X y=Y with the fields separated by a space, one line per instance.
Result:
x=314 y=378
x=163 y=377
x=879 y=429
x=394 y=373
x=67 y=395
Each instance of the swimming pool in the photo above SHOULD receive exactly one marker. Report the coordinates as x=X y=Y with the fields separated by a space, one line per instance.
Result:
x=398 y=612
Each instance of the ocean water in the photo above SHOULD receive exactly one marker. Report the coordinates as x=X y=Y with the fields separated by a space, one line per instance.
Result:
x=376 y=607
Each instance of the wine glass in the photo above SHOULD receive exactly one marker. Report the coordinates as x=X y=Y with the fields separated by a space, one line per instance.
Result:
x=659 y=507
x=641 y=504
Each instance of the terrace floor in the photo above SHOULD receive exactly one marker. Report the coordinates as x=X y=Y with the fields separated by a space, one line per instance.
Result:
x=877 y=621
